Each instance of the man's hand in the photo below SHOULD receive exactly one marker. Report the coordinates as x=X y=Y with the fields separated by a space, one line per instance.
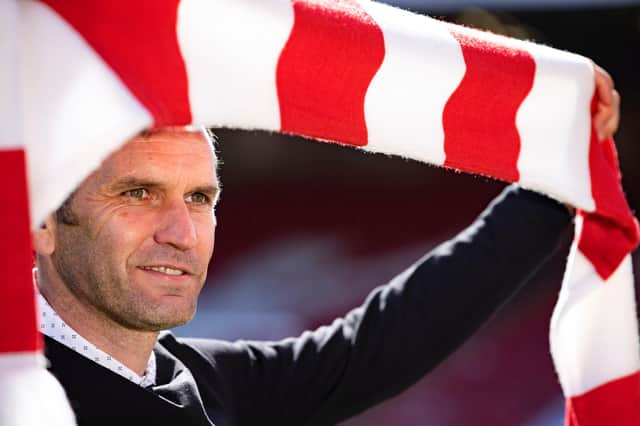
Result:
x=607 y=117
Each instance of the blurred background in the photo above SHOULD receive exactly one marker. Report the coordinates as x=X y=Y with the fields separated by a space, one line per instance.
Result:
x=307 y=229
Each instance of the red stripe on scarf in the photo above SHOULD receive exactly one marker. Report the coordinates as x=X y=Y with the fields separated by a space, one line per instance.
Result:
x=139 y=42
x=612 y=232
x=334 y=50
x=607 y=403
x=17 y=304
x=480 y=117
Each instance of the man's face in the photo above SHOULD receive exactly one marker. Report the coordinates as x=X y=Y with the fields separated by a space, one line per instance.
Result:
x=144 y=231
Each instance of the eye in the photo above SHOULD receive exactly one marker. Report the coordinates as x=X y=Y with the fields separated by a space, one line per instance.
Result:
x=198 y=198
x=137 y=193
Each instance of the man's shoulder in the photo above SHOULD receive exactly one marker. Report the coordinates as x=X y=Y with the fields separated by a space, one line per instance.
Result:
x=169 y=340
x=222 y=355
x=218 y=363
x=211 y=350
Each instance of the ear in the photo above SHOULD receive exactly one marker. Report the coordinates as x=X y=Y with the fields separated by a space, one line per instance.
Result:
x=44 y=242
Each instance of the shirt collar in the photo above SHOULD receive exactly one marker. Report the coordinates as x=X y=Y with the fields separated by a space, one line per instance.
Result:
x=54 y=327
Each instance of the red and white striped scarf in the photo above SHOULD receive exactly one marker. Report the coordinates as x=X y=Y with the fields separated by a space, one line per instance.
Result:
x=79 y=78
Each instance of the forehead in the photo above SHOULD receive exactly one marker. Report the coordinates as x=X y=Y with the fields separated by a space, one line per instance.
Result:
x=164 y=155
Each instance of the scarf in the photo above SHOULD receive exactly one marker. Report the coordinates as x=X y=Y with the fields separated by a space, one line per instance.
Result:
x=80 y=78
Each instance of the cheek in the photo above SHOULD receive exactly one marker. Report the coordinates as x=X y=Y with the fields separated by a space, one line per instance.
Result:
x=206 y=230
x=122 y=233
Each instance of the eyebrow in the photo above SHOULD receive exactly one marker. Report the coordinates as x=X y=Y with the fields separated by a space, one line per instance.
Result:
x=128 y=182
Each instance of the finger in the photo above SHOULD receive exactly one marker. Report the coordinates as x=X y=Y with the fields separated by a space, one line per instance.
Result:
x=602 y=122
x=607 y=116
x=606 y=125
x=609 y=131
x=614 y=122
x=604 y=85
x=601 y=118
x=610 y=127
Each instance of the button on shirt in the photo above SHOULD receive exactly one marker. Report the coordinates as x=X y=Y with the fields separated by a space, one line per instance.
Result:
x=53 y=326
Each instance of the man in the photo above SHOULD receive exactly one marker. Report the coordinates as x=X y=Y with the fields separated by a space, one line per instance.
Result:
x=126 y=255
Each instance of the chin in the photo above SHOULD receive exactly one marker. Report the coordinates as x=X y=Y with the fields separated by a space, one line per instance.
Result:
x=157 y=319
x=157 y=324
x=175 y=321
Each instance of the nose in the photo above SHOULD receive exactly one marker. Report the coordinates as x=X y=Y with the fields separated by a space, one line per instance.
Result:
x=176 y=227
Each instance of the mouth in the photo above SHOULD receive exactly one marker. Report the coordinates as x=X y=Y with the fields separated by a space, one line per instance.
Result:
x=171 y=271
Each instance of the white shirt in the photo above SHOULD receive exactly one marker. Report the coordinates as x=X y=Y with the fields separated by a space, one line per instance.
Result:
x=54 y=327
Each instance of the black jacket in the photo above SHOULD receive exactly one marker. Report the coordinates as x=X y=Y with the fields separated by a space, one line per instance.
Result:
x=403 y=330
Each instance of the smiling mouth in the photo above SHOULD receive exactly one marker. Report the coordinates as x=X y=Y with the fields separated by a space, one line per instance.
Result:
x=165 y=270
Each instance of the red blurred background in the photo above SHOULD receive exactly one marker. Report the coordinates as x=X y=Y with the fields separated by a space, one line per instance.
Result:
x=307 y=229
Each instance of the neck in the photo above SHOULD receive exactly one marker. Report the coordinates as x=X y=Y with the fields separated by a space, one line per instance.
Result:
x=131 y=347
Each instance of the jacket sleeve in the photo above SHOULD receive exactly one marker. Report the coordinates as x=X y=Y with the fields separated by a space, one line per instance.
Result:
x=403 y=329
